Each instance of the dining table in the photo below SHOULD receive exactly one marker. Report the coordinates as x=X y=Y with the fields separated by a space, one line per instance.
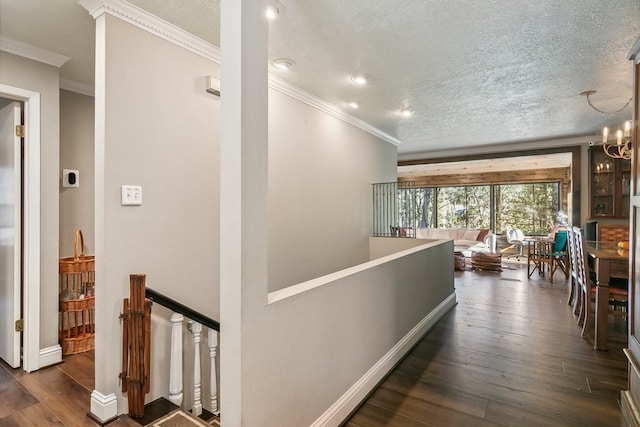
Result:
x=609 y=261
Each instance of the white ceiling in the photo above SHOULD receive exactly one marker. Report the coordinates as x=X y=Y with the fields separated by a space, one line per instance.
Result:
x=476 y=73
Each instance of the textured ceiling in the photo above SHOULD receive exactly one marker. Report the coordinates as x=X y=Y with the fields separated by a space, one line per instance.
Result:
x=476 y=73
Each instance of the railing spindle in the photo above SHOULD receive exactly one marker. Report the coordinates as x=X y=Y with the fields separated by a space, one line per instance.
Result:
x=175 y=363
x=196 y=329
x=213 y=349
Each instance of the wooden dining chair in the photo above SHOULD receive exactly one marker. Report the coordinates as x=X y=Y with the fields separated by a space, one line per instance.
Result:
x=583 y=282
x=574 y=292
x=587 y=289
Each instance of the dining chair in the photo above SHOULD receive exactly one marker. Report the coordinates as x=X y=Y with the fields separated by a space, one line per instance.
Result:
x=618 y=296
x=584 y=283
x=559 y=256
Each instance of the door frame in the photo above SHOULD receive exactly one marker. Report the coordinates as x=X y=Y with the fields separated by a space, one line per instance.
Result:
x=30 y=225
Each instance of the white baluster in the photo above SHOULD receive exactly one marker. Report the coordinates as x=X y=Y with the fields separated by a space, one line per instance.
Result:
x=175 y=363
x=213 y=349
x=196 y=329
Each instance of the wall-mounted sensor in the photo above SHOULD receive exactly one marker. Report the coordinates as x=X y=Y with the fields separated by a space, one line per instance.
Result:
x=70 y=178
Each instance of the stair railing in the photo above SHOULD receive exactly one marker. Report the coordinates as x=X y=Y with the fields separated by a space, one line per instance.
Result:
x=195 y=322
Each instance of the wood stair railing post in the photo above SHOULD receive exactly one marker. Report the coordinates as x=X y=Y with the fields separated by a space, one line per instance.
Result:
x=136 y=357
x=213 y=349
x=175 y=363
x=196 y=329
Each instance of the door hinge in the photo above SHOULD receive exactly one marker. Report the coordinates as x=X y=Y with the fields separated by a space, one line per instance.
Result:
x=20 y=131
x=19 y=325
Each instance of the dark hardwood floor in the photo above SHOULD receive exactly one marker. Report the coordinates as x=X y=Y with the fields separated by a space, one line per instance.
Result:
x=509 y=354
x=54 y=396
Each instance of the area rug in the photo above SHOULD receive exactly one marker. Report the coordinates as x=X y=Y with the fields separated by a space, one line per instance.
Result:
x=180 y=418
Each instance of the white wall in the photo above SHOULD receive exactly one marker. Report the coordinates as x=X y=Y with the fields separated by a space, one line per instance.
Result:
x=159 y=131
x=77 y=152
x=320 y=204
x=37 y=77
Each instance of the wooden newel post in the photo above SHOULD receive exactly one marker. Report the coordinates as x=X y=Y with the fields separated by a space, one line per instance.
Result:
x=136 y=345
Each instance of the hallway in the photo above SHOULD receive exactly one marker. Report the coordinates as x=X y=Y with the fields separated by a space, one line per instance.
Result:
x=509 y=354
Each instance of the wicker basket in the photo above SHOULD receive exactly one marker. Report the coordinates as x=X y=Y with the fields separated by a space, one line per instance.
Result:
x=77 y=301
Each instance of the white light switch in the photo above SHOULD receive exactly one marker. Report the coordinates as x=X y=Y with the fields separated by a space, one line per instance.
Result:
x=131 y=195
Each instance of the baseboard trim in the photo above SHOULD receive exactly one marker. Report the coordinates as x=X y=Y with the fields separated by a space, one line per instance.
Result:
x=629 y=409
x=50 y=356
x=350 y=400
x=104 y=408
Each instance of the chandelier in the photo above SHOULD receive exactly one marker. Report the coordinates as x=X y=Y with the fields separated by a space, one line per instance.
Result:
x=620 y=148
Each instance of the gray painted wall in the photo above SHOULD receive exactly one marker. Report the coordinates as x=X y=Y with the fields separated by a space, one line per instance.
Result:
x=320 y=206
x=160 y=132
x=77 y=152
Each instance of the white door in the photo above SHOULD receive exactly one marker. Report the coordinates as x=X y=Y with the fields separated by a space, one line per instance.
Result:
x=10 y=233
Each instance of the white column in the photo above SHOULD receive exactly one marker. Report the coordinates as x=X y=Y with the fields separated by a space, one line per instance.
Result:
x=213 y=349
x=243 y=196
x=175 y=363
x=196 y=330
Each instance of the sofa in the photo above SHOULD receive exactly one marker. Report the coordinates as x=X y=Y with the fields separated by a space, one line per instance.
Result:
x=463 y=239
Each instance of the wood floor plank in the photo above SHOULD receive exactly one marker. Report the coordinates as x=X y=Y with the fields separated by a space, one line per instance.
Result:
x=14 y=397
x=80 y=367
x=66 y=399
x=375 y=416
x=505 y=414
x=35 y=415
x=422 y=411
x=437 y=394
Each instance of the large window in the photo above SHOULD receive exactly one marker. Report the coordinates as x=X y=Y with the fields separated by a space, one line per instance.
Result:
x=464 y=207
x=532 y=208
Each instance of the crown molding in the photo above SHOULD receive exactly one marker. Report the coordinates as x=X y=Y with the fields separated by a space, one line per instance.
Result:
x=152 y=24
x=77 y=87
x=295 y=92
x=32 y=52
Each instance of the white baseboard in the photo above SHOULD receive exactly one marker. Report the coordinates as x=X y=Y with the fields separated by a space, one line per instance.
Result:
x=341 y=409
x=50 y=356
x=104 y=408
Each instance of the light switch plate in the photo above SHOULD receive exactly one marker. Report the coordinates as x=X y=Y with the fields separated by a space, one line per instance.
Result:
x=131 y=195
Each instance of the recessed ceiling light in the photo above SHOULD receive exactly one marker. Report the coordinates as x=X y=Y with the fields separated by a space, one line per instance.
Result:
x=271 y=12
x=274 y=9
x=353 y=105
x=283 y=64
x=407 y=113
x=359 y=79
